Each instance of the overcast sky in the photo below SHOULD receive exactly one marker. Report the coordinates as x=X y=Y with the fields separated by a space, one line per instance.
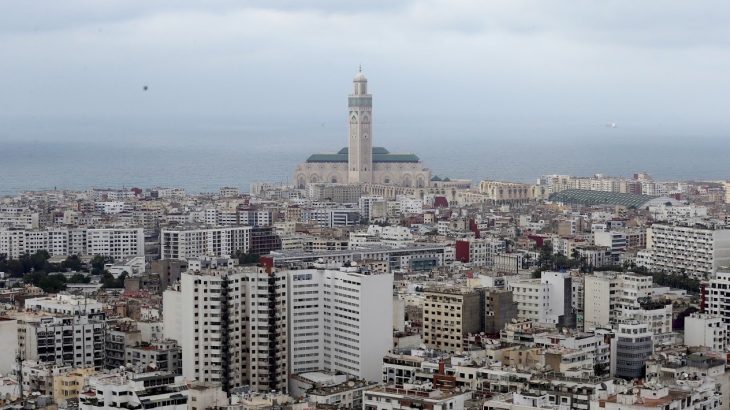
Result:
x=71 y=68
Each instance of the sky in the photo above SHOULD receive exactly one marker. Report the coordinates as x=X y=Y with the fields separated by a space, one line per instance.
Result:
x=75 y=70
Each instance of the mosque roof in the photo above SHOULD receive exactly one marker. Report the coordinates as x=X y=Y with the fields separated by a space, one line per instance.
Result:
x=380 y=154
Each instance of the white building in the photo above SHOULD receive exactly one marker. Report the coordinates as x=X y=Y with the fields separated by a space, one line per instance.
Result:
x=611 y=297
x=701 y=329
x=336 y=321
x=118 y=243
x=66 y=305
x=413 y=397
x=229 y=192
x=158 y=390
x=614 y=240
x=546 y=300
x=232 y=327
x=694 y=250
x=76 y=341
x=184 y=243
x=718 y=299
x=409 y=205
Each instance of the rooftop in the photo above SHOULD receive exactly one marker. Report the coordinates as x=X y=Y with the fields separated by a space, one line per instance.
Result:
x=589 y=197
x=380 y=154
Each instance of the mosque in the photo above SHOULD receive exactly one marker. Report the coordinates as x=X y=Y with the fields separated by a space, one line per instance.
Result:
x=360 y=162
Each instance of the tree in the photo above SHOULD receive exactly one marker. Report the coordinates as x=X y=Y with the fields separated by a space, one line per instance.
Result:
x=599 y=369
x=72 y=263
x=245 y=258
x=98 y=262
x=49 y=283
x=52 y=283
x=79 y=278
x=109 y=282
x=546 y=255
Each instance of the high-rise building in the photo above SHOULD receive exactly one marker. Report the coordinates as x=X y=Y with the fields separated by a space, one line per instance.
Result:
x=336 y=321
x=717 y=299
x=235 y=327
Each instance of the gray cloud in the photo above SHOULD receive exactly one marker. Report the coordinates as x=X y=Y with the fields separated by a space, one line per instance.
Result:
x=435 y=66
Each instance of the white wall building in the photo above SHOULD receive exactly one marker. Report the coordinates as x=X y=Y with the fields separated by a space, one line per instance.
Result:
x=546 y=300
x=336 y=321
x=184 y=243
x=718 y=299
x=701 y=329
x=694 y=250
x=119 y=243
x=158 y=390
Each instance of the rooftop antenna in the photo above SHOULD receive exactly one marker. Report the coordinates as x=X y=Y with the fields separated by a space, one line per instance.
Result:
x=359 y=69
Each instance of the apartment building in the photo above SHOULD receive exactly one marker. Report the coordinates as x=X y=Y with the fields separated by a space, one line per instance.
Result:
x=449 y=315
x=77 y=341
x=155 y=390
x=717 y=299
x=479 y=252
x=707 y=330
x=118 y=243
x=611 y=297
x=615 y=241
x=235 y=327
x=547 y=300
x=697 y=250
x=631 y=346
x=336 y=321
x=196 y=242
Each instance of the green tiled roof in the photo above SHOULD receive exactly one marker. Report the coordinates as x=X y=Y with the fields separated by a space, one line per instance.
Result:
x=589 y=197
x=380 y=154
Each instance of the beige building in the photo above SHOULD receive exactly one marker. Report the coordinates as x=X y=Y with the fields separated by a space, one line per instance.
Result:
x=512 y=192
x=450 y=314
x=67 y=386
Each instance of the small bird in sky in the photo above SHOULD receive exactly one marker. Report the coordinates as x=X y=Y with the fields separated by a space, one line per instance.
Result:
x=145 y=88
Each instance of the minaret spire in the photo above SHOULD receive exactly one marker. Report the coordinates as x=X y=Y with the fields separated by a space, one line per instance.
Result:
x=360 y=103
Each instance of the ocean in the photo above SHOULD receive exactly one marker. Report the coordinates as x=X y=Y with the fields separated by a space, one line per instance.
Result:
x=203 y=164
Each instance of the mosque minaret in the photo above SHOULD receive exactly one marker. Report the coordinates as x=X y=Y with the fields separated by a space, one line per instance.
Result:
x=360 y=158
x=360 y=162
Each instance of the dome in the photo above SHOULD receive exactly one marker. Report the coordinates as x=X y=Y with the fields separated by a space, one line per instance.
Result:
x=360 y=77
